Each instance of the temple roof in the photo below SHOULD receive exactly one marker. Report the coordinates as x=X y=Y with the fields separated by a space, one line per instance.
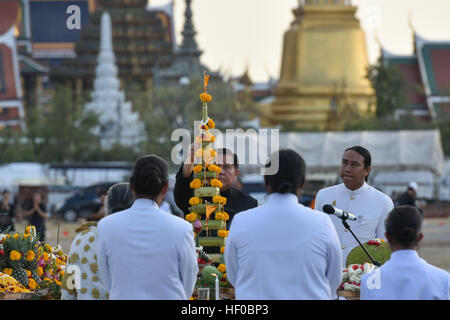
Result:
x=9 y=11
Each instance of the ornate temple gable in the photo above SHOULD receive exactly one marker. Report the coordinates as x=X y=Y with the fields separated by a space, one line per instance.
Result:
x=434 y=62
x=11 y=106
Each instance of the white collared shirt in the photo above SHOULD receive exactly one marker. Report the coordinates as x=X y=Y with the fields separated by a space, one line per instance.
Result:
x=283 y=250
x=145 y=253
x=369 y=205
x=406 y=276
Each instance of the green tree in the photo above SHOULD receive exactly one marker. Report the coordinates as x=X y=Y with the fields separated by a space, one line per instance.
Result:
x=389 y=88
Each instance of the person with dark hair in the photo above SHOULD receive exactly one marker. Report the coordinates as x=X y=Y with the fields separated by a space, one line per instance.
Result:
x=409 y=197
x=405 y=276
x=143 y=252
x=100 y=210
x=83 y=251
x=237 y=200
x=354 y=195
x=37 y=214
x=6 y=213
x=282 y=249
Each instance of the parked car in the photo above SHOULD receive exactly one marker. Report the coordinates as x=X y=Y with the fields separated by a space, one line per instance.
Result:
x=83 y=203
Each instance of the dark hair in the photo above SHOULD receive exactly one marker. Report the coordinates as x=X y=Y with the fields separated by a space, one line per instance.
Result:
x=5 y=192
x=235 y=157
x=119 y=197
x=365 y=154
x=404 y=224
x=150 y=175
x=291 y=172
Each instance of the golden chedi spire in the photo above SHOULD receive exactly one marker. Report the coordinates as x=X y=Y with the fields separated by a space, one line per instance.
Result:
x=323 y=69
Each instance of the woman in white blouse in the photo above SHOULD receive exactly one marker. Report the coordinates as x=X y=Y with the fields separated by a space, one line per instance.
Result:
x=83 y=252
x=405 y=276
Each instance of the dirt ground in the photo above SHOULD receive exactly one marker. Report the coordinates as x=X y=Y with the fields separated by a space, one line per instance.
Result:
x=434 y=248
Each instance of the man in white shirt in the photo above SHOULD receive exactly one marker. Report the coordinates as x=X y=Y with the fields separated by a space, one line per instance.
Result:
x=143 y=252
x=405 y=276
x=354 y=195
x=283 y=250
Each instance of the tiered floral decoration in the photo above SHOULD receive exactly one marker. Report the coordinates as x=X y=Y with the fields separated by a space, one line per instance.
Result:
x=33 y=264
x=207 y=186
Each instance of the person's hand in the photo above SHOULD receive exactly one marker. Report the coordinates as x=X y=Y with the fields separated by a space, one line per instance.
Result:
x=188 y=165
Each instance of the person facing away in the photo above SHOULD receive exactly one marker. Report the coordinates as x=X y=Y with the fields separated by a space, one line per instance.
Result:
x=36 y=212
x=237 y=200
x=143 y=252
x=405 y=276
x=408 y=198
x=83 y=251
x=6 y=213
x=282 y=249
x=354 y=195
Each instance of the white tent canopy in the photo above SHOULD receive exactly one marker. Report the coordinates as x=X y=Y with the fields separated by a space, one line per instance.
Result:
x=322 y=151
x=390 y=150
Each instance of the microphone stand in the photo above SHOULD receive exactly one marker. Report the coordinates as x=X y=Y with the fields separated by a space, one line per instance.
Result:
x=344 y=222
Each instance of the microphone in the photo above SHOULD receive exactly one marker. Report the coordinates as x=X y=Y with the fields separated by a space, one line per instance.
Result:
x=344 y=215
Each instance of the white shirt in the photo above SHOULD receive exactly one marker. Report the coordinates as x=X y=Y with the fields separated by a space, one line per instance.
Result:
x=145 y=253
x=406 y=276
x=283 y=250
x=369 y=205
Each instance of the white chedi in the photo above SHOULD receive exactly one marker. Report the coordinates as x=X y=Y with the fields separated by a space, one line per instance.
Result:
x=118 y=122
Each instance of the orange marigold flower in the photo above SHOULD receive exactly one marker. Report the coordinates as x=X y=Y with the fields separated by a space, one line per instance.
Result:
x=221 y=268
x=30 y=255
x=194 y=201
x=40 y=271
x=191 y=217
x=32 y=284
x=222 y=249
x=211 y=124
x=198 y=168
x=196 y=183
x=15 y=255
x=216 y=183
x=205 y=97
x=222 y=233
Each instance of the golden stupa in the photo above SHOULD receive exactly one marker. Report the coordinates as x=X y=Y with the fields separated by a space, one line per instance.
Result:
x=324 y=65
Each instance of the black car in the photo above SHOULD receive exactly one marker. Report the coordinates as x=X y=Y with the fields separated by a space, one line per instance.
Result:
x=84 y=202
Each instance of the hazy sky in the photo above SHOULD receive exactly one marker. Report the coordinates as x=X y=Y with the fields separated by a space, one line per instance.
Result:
x=237 y=33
